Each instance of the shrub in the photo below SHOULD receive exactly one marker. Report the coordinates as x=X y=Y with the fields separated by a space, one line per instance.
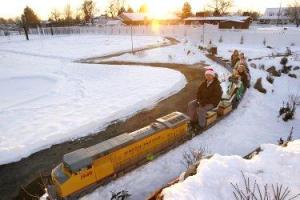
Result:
x=254 y=191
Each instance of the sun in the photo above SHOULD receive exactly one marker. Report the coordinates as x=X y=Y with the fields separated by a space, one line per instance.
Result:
x=158 y=8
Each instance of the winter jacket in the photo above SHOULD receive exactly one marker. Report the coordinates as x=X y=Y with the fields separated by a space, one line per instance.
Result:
x=234 y=60
x=244 y=79
x=211 y=94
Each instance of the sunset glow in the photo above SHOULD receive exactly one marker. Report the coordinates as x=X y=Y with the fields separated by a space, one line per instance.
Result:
x=157 y=8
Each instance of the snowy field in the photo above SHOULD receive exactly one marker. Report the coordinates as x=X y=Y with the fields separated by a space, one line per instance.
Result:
x=274 y=165
x=183 y=53
x=48 y=99
x=74 y=47
x=255 y=122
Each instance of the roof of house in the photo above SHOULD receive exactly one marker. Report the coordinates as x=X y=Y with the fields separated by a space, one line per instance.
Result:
x=225 y=18
x=133 y=16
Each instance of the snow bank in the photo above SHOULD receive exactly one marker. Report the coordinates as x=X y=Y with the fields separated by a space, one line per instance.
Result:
x=274 y=165
x=47 y=100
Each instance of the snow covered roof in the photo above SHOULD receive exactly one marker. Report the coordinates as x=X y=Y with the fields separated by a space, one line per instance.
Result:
x=133 y=16
x=114 y=22
x=226 y=18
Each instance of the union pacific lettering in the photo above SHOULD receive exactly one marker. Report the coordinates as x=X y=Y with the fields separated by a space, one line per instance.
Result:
x=83 y=176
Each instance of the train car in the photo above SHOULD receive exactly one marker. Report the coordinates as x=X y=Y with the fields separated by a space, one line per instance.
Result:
x=86 y=167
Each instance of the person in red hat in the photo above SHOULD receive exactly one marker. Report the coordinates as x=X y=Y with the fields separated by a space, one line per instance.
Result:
x=208 y=97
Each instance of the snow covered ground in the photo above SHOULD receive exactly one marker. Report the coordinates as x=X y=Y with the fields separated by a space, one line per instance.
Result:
x=183 y=53
x=72 y=47
x=47 y=99
x=274 y=165
x=255 y=122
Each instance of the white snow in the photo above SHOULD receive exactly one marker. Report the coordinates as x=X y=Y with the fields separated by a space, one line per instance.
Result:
x=183 y=53
x=274 y=165
x=255 y=122
x=73 y=47
x=48 y=99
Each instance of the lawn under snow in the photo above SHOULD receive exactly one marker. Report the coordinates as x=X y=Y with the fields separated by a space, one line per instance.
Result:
x=183 y=53
x=46 y=100
x=74 y=46
x=274 y=165
x=255 y=122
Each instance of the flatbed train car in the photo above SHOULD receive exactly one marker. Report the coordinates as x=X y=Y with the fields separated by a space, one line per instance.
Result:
x=87 y=168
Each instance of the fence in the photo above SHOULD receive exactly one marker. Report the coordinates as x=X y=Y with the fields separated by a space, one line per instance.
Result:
x=197 y=34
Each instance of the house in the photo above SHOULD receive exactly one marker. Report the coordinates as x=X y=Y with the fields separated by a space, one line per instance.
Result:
x=133 y=18
x=275 y=16
x=224 y=22
x=170 y=19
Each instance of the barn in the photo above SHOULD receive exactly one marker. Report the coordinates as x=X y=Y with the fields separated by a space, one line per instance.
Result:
x=225 y=22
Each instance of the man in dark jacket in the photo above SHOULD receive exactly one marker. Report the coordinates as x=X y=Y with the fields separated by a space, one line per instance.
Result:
x=209 y=95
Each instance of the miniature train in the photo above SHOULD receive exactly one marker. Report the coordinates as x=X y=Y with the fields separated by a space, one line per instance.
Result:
x=86 y=168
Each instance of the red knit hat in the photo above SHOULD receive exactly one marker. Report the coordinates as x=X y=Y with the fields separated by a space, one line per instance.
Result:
x=210 y=71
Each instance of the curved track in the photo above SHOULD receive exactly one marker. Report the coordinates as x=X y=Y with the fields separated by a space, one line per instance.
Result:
x=28 y=171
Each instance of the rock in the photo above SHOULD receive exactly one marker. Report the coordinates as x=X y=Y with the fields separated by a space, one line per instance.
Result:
x=258 y=86
x=284 y=61
x=270 y=79
x=272 y=70
x=262 y=67
x=253 y=65
x=296 y=68
x=285 y=70
x=269 y=47
x=293 y=75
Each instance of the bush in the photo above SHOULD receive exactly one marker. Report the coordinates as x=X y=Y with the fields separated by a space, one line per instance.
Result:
x=192 y=156
x=254 y=191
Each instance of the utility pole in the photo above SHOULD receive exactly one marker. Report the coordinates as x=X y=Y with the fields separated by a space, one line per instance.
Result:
x=203 y=29
x=131 y=39
x=279 y=14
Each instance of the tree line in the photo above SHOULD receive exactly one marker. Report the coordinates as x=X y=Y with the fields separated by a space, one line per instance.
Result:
x=88 y=9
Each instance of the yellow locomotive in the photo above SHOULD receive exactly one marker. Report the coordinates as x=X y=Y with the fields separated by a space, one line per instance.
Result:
x=86 y=167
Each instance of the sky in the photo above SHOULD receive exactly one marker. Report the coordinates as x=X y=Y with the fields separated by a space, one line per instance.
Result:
x=14 y=8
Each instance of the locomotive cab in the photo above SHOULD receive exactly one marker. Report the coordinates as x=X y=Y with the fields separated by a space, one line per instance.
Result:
x=74 y=173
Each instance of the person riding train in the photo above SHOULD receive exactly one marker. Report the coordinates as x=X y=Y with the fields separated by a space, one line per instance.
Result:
x=208 y=97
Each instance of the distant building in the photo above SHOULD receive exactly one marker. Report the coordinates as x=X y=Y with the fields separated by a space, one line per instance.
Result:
x=104 y=20
x=225 y=22
x=275 y=16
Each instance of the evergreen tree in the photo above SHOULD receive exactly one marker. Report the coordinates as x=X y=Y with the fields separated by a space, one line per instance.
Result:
x=144 y=8
x=186 y=10
x=130 y=10
x=30 y=17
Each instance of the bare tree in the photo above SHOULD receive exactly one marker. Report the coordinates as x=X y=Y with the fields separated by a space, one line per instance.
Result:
x=68 y=13
x=116 y=7
x=55 y=15
x=294 y=11
x=88 y=9
x=220 y=7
